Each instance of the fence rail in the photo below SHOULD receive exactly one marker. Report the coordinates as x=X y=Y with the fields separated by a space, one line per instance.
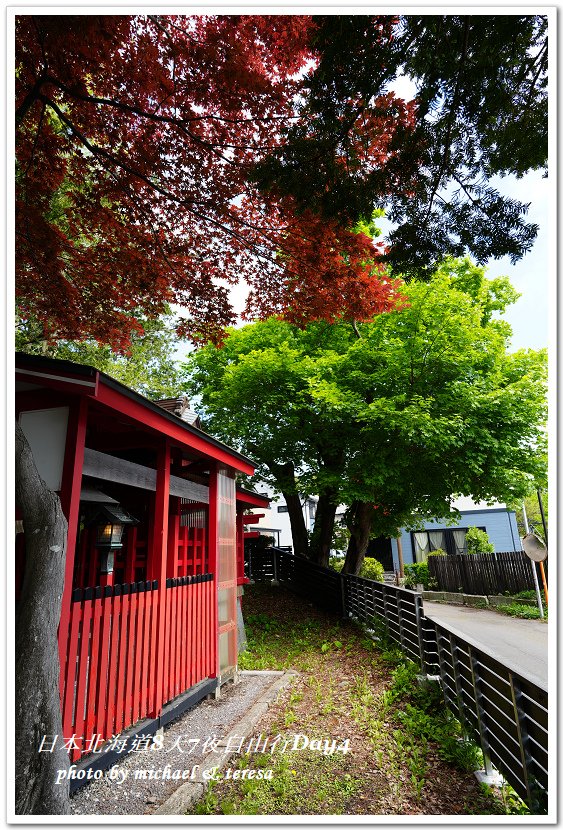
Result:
x=504 y=712
x=483 y=573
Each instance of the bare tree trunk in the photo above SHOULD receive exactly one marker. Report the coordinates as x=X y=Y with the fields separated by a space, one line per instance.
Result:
x=297 y=521
x=358 y=521
x=285 y=481
x=38 y=710
x=322 y=532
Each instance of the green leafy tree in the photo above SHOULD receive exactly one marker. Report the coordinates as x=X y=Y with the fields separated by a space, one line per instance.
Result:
x=479 y=109
x=478 y=541
x=149 y=365
x=533 y=514
x=394 y=418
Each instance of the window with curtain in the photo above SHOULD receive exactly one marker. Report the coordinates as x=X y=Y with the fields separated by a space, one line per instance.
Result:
x=421 y=546
x=459 y=540
x=437 y=539
x=450 y=540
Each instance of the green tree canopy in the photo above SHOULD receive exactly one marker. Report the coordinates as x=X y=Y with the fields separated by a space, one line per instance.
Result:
x=480 y=108
x=426 y=404
x=149 y=365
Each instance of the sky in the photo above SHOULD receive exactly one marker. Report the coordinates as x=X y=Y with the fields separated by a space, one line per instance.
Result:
x=532 y=276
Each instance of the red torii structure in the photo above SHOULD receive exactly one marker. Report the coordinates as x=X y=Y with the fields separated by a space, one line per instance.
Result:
x=146 y=636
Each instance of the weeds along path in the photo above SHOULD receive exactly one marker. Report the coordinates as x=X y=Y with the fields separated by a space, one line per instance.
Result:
x=405 y=752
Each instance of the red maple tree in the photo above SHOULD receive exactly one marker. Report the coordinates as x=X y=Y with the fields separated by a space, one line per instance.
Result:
x=135 y=139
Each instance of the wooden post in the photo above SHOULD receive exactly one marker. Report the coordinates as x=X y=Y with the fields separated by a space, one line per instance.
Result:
x=542 y=571
x=70 y=502
x=400 y=555
x=156 y=566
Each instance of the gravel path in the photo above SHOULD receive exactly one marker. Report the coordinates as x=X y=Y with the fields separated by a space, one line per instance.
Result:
x=183 y=746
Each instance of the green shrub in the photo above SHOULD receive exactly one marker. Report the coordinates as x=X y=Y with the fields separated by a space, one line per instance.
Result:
x=336 y=563
x=419 y=574
x=477 y=541
x=438 y=552
x=371 y=568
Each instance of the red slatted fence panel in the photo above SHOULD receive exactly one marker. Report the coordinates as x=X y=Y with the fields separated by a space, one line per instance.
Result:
x=108 y=667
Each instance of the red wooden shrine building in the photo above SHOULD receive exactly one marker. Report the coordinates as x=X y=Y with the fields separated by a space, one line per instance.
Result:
x=155 y=549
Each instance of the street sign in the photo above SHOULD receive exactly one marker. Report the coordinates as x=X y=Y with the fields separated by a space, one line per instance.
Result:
x=534 y=547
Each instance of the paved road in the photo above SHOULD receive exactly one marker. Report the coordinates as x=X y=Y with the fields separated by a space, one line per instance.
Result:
x=519 y=644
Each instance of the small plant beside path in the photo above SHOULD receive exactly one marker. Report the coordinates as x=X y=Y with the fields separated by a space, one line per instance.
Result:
x=406 y=754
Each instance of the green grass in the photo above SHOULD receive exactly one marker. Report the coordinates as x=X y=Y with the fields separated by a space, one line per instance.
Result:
x=301 y=783
x=272 y=645
x=525 y=612
x=402 y=731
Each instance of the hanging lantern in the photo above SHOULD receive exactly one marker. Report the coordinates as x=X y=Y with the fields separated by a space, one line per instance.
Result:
x=110 y=521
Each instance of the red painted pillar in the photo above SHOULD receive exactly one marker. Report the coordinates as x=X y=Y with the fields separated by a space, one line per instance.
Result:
x=173 y=538
x=70 y=502
x=156 y=566
x=240 y=546
x=130 y=554
x=213 y=556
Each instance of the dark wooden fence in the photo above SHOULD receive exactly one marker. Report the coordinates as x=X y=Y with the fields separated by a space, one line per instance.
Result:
x=400 y=610
x=483 y=573
x=501 y=710
x=504 y=712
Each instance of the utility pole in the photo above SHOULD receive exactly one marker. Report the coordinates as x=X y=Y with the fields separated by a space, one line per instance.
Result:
x=533 y=564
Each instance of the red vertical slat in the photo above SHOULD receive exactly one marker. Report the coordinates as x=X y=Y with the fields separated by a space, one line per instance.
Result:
x=166 y=683
x=212 y=627
x=83 y=557
x=193 y=628
x=205 y=623
x=172 y=599
x=179 y=639
x=146 y=652
x=188 y=638
x=81 y=685
x=113 y=662
x=185 y=620
x=137 y=667
x=171 y=631
x=187 y=551
x=199 y=633
x=94 y=667
x=121 y=664
x=174 y=564
x=176 y=643
x=215 y=626
x=157 y=563
x=94 y=556
x=194 y=633
x=99 y=724
x=156 y=595
x=130 y=554
x=69 y=726
x=128 y=704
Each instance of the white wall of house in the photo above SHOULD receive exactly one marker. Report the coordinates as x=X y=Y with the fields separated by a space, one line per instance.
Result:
x=276 y=520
